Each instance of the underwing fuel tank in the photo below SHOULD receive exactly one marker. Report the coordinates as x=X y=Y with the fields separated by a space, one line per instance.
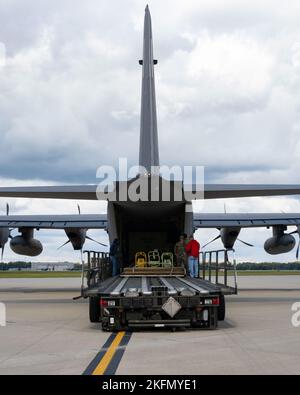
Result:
x=21 y=246
x=280 y=243
x=25 y=244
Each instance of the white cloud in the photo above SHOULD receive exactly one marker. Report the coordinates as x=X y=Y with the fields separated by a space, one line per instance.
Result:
x=2 y=54
x=232 y=65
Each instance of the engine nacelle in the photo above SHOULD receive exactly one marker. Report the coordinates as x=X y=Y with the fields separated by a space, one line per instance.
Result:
x=229 y=236
x=4 y=235
x=25 y=244
x=280 y=243
x=77 y=237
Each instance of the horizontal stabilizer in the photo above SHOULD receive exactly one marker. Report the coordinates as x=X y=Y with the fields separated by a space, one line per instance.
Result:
x=82 y=192
x=222 y=191
x=89 y=192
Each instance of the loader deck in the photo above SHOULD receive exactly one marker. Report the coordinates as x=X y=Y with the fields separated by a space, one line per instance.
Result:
x=145 y=284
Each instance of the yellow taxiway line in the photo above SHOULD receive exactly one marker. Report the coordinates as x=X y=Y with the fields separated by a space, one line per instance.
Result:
x=108 y=356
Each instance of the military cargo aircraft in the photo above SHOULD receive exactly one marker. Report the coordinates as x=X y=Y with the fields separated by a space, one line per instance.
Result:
x=145 y=224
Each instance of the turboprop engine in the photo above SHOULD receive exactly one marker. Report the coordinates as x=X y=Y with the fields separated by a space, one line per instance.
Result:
x=280 y=243
x=229 y=236
x=25 y=244
x=4 y=235
x=76 y=236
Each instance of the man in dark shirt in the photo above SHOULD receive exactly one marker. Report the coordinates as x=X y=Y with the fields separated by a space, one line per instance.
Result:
x=193 y=249
x=114 y=256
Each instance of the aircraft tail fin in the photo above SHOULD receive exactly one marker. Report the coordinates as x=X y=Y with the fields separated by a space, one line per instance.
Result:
x=148 y=155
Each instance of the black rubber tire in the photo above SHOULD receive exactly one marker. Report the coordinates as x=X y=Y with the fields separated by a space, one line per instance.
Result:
x=105 y=328
x=94 y=309
x=221 y=309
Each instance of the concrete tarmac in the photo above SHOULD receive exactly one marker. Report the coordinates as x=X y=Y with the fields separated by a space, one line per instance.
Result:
x=49 y=333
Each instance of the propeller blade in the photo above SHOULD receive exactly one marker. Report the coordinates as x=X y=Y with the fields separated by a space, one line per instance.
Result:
x=2 y=253
x=7 y=209
x=216 y=238
x=244 y=242
x=79 y=211
x=98 y=242
x=297 y=252
x=63 y=244
x=292 y=233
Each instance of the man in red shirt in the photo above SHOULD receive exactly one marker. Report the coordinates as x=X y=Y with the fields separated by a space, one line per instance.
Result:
x=192 y=249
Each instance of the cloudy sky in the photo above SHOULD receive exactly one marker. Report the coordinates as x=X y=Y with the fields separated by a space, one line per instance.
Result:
x=227 y=86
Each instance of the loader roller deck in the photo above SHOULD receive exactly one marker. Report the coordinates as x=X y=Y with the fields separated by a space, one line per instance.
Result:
x=147 y=285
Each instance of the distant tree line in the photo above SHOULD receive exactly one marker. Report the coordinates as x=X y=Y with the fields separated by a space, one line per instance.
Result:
x=20 y=265
x=268 y=266
x=15 y=265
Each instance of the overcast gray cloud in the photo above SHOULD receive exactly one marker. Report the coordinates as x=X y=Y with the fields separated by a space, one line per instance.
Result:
x=228 y=94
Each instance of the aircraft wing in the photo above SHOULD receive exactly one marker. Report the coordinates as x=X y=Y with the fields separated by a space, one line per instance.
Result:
x=88 y=192
x=218 y=220
x=86 y=221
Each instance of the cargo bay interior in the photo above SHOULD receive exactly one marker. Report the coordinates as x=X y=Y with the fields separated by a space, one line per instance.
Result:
x=147 y=226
